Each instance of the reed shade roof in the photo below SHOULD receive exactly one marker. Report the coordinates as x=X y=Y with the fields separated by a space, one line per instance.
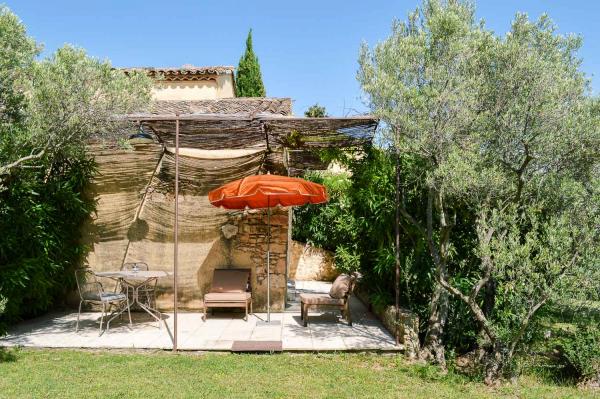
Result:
x=211 y=134
x=266 y=191
x=273 y=132
x=319 y=132
x=299 y=160
x=198 y=176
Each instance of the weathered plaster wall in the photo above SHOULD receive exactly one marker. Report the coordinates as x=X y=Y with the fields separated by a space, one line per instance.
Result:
x=194 y=90
x=134 y=222
x=221 y=86
x=225 y=86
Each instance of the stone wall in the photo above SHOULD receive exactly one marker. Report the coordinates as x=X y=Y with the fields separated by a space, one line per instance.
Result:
x=311 y=263
x=249 y=249
x=406 y=328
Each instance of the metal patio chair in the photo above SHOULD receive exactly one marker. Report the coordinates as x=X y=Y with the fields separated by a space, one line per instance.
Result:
x=91 y=291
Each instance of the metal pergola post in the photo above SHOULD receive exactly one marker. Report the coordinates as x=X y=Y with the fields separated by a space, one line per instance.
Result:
x=268 y=321
x=268 y=260
x=176 y=243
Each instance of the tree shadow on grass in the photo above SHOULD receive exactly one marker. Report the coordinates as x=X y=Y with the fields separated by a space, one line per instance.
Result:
x=7 y=355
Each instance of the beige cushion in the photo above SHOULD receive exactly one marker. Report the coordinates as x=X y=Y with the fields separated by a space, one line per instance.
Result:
x=340 y=286
x=320 y=299
x=227 y=297
x=230 y=280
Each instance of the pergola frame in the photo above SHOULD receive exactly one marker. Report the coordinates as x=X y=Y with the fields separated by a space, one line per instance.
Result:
x=238 y=116
x=321 y=125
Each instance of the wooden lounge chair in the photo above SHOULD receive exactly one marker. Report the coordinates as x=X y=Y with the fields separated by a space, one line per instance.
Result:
x=230 y=288
x=338 y=297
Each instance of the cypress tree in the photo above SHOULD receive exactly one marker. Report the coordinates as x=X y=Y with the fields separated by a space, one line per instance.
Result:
x=248 y=77
x=316 y=111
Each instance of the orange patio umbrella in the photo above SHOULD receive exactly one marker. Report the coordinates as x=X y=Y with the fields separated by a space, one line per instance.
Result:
x=267 y=191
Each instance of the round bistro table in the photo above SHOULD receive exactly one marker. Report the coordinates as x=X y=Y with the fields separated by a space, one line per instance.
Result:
x=133 y=280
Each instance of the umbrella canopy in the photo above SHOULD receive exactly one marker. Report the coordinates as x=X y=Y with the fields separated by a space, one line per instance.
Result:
x=266 y=191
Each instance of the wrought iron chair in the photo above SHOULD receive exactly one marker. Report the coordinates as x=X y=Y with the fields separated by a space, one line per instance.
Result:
x=147 y=292
x=91 y=291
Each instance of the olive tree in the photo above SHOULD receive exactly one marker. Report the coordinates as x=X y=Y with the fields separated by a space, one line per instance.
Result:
x=17 y=53
x=507 y=129
x=538 y=133
x=51 y=108
x=419 y=82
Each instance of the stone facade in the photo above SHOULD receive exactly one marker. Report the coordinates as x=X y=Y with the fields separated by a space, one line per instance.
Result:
x=134 y=187
x=249 y=249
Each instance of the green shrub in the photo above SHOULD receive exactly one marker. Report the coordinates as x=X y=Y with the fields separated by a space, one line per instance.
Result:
x=41 y=214
x=581 y=351
x=358 y=225
x=50 y=109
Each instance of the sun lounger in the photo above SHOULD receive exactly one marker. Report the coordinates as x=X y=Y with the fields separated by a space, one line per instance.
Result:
x=230 y=288
x=338 y=297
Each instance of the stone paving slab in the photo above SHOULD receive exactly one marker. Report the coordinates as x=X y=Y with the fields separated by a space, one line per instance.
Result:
x=326 y=331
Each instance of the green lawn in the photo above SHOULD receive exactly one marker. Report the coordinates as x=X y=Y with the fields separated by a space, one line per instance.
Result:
x=81 y=374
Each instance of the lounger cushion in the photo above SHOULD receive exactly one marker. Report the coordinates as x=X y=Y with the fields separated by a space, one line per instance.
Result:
x=228 y=280
x=340 y=286
x=227 y=297
x=320 y=299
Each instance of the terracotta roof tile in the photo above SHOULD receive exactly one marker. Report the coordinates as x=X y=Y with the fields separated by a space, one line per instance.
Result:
x=185 y=72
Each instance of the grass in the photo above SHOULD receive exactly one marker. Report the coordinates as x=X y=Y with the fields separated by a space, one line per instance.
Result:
x=78 y=374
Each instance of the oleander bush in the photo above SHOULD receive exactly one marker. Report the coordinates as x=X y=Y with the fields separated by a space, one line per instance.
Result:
x=41 y=242
x=357 y=224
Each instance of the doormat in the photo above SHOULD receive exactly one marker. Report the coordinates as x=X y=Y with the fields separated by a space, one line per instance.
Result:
x=256 y=346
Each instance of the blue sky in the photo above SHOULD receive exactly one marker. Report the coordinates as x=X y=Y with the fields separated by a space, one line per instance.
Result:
x=307 y=49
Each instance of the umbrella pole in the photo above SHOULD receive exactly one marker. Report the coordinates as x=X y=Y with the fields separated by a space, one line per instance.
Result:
x=268 y=262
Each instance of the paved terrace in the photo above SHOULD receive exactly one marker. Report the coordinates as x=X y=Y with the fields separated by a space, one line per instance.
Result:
x=218 y=333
